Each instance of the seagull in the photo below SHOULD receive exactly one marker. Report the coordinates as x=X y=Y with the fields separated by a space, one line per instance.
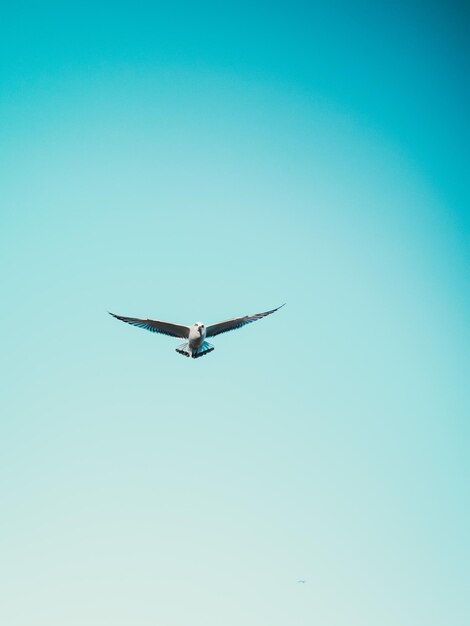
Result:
x=195 y=335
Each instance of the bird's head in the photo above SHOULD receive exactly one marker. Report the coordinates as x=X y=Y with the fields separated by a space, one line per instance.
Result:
x=199 y=326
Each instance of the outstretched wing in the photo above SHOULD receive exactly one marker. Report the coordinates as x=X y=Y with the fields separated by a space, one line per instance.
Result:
x=236 y=322
x=156 y=326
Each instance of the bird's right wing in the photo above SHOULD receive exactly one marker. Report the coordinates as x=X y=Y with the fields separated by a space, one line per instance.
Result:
x=157 y=326
x=236 y=322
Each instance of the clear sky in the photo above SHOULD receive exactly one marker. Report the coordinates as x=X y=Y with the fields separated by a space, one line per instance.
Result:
x=197 y=161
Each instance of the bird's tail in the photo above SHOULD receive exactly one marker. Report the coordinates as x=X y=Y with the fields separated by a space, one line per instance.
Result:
x=184 y=349
x=203 y=349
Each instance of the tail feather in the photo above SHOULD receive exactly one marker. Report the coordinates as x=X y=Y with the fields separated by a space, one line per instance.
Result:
x=203 y=349
x=184 y=349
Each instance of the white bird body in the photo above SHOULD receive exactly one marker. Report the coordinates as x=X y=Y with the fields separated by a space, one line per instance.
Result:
x=195 y=335
x=196 y=339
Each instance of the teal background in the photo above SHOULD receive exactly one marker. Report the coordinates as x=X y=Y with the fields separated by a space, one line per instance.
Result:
x=197 y=161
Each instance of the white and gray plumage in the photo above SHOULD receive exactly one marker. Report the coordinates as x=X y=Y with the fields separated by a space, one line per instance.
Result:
x=195 y=335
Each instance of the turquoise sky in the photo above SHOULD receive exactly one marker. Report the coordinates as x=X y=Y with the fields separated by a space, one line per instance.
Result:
x=197 y=161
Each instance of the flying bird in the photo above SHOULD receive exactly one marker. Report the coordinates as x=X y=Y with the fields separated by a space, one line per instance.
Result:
x=195 y=335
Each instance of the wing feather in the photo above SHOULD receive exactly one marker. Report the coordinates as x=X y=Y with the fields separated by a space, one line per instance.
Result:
x=156 y=326
x=236 y=322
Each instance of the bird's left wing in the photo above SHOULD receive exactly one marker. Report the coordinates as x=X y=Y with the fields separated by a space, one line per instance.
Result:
x=236 y=322
x=157 y=326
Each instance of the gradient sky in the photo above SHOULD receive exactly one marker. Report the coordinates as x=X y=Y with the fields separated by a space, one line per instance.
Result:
x=197 y=161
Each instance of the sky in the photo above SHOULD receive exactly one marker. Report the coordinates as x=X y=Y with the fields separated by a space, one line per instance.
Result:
x=199 y=161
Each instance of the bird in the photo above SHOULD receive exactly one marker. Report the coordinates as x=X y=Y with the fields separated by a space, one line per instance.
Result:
x=195 y=345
